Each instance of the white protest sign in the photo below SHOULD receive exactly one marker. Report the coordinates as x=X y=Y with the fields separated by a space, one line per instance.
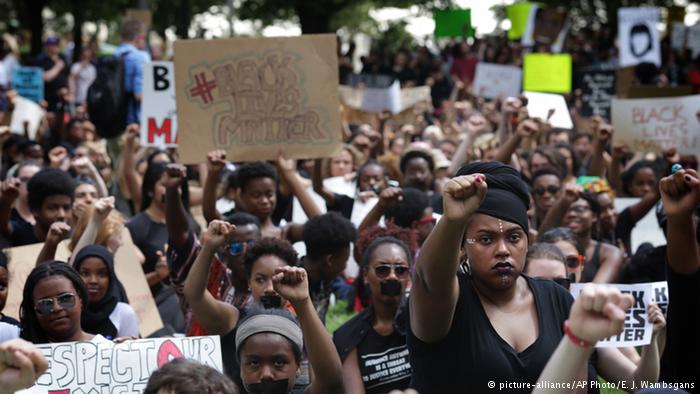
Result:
x=494 y=80
x=656 y=124
x=638 y=36
x=378 y=99
x=27 y=113
x=660 y=295
x=158 y=109
x=678 y=31
x=539 y=105
x=694 y=39
x=106 y=367
x=646 y=229
x=637 y=328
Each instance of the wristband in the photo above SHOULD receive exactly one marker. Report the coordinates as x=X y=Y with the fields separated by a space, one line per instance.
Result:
x=576 y=340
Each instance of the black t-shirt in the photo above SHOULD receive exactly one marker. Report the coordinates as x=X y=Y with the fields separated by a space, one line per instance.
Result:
x=52 y=87
x=623 y=230
x=22 y=230
x=473 y=354
x=342 y=204
x=149 y=237
x=679 y=363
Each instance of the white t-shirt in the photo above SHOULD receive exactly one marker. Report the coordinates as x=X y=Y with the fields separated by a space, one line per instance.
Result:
x=125 y=320
x=84 y=75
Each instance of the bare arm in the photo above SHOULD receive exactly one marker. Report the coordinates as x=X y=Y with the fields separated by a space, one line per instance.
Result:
x=681 y=194
x=131 y=177
x=292 y=284
x=53 y=72
x=387 y=198
x=318 y=184
x=57 y=232
x=216 y=160
x=611 y=259
x=10 y=192
x=289 y=174
x=175 y=214
x=435 y=287
x=351 y=374
x=217 y=317
x=98 y=214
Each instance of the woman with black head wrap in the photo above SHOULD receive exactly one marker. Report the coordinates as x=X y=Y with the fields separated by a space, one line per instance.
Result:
x=107 y=312
x=486 y=324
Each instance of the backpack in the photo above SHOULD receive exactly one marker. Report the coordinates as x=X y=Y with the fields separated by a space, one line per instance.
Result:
x=107 y=99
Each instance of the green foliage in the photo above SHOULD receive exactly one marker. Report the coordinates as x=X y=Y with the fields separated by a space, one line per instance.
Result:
x=337 y=315
x=395 y=37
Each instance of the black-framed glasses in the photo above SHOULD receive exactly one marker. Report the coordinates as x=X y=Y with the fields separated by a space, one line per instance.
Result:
x=45 y=306
x=540 y=191
x=574 y=261
x=238 y=248
x=384 y=270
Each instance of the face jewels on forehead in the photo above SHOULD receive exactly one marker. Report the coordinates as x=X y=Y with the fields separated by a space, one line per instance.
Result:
x=500 y=226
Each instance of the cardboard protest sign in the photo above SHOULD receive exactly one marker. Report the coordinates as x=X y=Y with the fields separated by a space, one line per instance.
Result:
x=254 y=96
x=678 y=32
x=158 y=109
x=637 y=328
x=539 y=105
x=453 y=23
x=518 y=15
x=647 y=228
x=638 y=36
x=497 y=80
x=376 y=100
x=547 y=73
x=656 y=124
x=546 y=26
x=29 y=82
x=126 y=266
x=26 y=116
x=597 y=92
x=106 y=367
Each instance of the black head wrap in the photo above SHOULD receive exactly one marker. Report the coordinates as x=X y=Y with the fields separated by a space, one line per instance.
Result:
x=95 y=318
x=507 y=196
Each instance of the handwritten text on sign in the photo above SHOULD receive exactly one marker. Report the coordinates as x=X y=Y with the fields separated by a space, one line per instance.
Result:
x=637 y=328
x=657 y=124
x=252 y=97
x=158 y=109
x=97 y=367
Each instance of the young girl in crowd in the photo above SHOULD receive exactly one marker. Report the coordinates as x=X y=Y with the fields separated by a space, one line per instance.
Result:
x=108 y=312
x=53 y=302
x=377 y=331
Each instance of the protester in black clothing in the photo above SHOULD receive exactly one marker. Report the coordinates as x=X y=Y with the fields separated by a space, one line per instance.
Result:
x=4 y=281
x=327 y=238
x=50 y=197
x=377 y=331
x=492 y=323
x=56 y=72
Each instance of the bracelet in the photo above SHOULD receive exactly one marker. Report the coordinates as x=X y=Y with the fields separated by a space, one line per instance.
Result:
x=576 y=340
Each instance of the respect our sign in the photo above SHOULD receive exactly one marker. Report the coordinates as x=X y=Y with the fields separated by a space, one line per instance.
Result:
x=656 y=124
x=158 y=109
x=637 y=328
x=255 y=96
x=106 y=367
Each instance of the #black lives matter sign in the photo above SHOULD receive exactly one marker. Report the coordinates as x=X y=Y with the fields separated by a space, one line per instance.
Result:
x=637 y=328
x=597 y=92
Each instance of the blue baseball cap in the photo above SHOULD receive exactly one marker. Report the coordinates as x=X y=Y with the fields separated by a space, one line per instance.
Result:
x=51 y=40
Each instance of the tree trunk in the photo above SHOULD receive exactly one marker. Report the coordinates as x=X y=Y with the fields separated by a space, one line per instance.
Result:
x=183 y=17
x=36 y=24
x=314 y=18
x=78 y=18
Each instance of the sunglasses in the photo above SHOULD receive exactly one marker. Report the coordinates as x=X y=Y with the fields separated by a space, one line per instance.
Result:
x=45 y=306
x=540 y=191
x=237 y=248
x=574 y=261
x=383 y=271
x=579 y=209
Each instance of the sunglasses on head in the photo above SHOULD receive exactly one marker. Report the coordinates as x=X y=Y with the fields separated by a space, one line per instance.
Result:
x=574 y=261
x=45 y=306
x=237 y=248
x=383 y=271
x=540 y=191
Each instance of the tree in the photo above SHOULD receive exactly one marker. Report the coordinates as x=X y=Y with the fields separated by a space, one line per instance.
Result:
x=319 y=16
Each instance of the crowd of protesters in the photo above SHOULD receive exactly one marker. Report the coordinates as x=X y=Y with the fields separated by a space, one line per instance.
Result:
x=453 y=236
